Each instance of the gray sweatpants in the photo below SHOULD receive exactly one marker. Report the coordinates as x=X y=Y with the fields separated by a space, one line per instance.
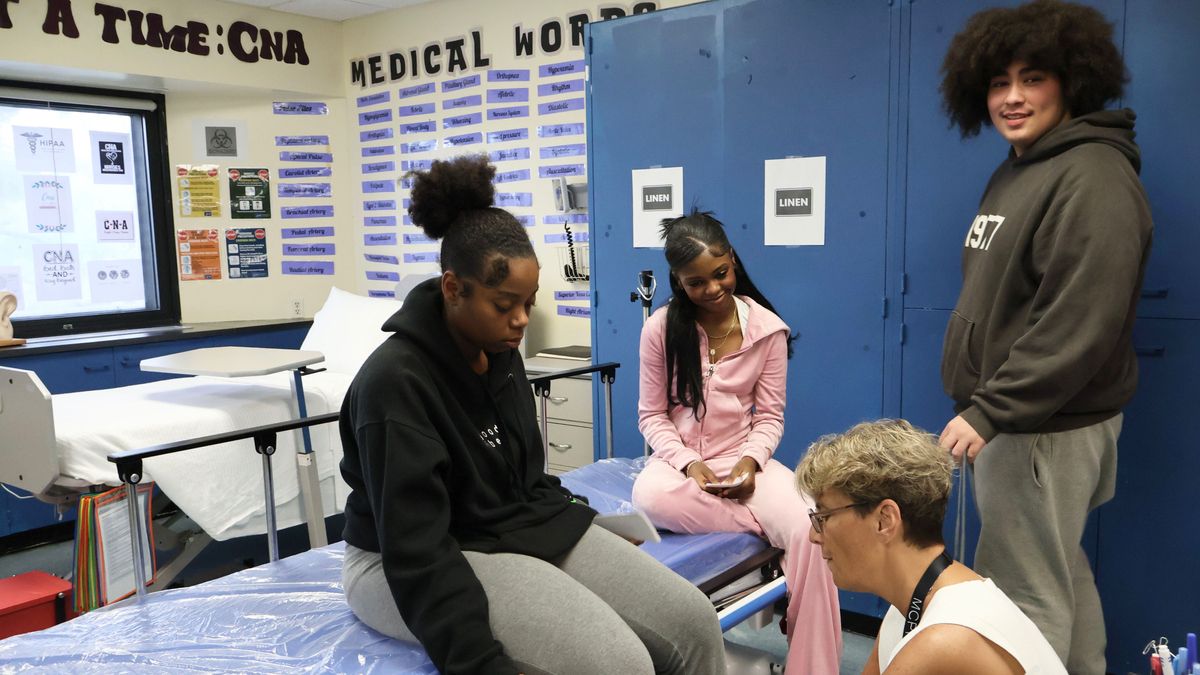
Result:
x=1034 y=493
x=605 y=607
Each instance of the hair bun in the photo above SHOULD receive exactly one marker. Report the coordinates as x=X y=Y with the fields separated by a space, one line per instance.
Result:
x=448 y=189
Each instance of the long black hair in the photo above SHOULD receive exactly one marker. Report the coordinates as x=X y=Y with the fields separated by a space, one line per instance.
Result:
x=685 y=238
x=453 y=202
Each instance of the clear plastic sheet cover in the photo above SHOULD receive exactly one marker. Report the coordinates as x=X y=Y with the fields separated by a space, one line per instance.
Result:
x=608 y=485
x=291 y=615
x=287 y=616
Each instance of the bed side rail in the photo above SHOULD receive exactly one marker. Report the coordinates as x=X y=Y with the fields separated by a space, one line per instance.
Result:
x=541 y=387
x=129 y=468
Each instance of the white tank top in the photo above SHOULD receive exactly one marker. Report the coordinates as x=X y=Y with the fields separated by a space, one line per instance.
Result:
x=985 y=609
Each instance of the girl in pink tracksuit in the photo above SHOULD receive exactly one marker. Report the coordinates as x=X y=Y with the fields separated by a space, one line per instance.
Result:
x=712 y=394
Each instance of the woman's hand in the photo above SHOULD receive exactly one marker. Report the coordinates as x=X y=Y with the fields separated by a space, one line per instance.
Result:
x=746 y=467
x=699 y=472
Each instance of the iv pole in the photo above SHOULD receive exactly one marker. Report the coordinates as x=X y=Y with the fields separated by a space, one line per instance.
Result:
x=646 y=285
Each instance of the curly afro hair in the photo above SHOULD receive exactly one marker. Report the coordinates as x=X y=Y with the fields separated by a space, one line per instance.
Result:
x=453 y=202
x=1072 y=41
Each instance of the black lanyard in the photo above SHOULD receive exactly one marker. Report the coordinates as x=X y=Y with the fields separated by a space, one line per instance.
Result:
x=916 y=606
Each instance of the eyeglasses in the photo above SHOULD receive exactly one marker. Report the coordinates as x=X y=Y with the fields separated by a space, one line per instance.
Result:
x=818 y=518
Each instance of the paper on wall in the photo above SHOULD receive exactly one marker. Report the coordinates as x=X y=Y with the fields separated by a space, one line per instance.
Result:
x=48 y=204
x=112 y=157
x=794 y=201
x=657 y=194
x=44 y=150
x=116 y=280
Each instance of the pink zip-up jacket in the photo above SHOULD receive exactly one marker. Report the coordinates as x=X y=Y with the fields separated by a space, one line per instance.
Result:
x=744 y=393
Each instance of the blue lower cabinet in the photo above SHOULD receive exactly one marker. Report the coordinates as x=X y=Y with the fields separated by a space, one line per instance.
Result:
x=288 y=337
x=1148 y=548
x=127 y=360
x=862 y=603
x=65 y=372
x=20 y=515
x=925 y=404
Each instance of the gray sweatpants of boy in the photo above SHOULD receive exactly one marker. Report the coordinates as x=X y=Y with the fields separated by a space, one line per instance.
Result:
x=605 y=607
x=1034 y=493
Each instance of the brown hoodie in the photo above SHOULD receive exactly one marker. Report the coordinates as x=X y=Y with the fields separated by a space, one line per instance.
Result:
x=1041 y=337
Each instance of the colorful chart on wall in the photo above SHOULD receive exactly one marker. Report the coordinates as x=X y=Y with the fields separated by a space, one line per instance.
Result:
x=199 y=190
x=199 y=254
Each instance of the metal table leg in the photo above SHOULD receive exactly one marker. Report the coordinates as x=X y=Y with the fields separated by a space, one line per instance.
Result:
x=310 y=487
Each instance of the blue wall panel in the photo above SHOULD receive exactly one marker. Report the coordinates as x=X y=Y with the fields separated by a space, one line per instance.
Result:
x=719 y=89
x=946 y=174
x=1147 y=549
x=1163 y=55
x=668 y=123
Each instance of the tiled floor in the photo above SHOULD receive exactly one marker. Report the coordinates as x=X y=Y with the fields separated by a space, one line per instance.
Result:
x=855 y=648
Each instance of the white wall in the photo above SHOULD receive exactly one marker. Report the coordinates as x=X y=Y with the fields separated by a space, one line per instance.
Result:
x=415 y=28
x=215 y=86
x=219 y=87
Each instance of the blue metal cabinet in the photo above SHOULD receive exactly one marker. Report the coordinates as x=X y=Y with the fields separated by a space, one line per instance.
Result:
x=730 y=86
x=282 y=337
x=1162 y=53
x=1147 y=550
x=925 y=404
x=627 y=129
x=946 y=174
x=65 y=372
x=718 y=87
x=127 y=360
x=19 y=515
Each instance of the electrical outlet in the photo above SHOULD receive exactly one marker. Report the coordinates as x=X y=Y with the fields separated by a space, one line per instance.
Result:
x=297 y=307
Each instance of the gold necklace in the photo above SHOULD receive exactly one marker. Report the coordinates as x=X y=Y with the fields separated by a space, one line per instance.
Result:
x=712 y=349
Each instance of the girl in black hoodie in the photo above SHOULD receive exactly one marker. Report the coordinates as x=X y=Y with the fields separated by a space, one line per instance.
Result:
x=455 y=537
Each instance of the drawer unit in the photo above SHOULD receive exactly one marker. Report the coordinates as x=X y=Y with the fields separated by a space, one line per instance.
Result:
x=570 y=446
x=570 y=401
x=568 y=414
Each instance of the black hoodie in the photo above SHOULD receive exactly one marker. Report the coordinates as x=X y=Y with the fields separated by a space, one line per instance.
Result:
x=442 y=460
x=1041 y=337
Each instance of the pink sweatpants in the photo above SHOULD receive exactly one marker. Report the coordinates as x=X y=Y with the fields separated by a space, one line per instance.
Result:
x=776 y=511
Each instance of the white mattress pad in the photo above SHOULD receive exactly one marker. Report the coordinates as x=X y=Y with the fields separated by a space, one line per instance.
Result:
x=220 y=486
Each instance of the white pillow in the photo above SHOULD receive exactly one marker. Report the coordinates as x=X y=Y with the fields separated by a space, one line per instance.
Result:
x=347 y=329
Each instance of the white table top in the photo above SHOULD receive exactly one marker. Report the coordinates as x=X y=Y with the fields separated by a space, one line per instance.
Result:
x=231 y=361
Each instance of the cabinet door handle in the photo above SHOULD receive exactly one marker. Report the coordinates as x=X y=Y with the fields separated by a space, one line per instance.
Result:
x=127 y=362
x=95 y=369
x=1150 y=351
x=560 y=446
x=558 y=399
x=1155 y=292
